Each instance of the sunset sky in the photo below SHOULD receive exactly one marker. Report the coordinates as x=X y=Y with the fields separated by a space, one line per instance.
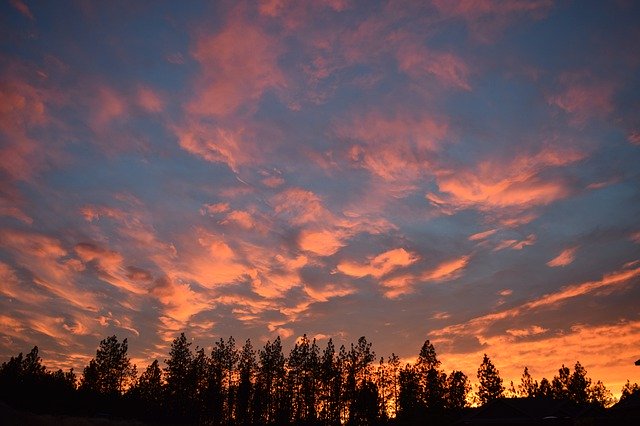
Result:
x=459 y=170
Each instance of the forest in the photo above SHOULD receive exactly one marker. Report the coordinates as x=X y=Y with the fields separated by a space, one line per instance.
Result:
x=233 y=385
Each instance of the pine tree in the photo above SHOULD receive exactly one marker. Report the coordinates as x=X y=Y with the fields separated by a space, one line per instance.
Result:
x=490 y=382
x=579 y=383
x=560 y=383
x=177 y=375
x=149 y=389
x=528 y=387
x=394 y=370
x=111 y=371
x=458 y=388
x=246 y=371
x=409 y=404
x=329 y=386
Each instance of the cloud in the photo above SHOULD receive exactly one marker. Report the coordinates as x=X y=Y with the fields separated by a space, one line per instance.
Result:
x=149 y=99
x=396 y=147
x=322 y=243
x=566 y=257
x=504 y=188
x=446 y=271
x=482 y=235
x=583 y=97
x=110 y=268
x=516 y=244
x=486 y=19
x=180 y=301
x=478 y=326
x=404 y=283
x=444 y=66
x=238 y=65
x=380 y=265
x=21 y=7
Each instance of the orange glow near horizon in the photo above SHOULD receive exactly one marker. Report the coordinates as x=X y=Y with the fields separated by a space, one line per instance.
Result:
x=453 y=170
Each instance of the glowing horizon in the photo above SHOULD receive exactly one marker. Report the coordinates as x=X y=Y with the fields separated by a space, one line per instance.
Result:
x=459 y=171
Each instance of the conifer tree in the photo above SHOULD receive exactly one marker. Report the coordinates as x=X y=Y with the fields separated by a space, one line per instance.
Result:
x=111 y=371
x=458 y=388
x=246 y=372
x=528 y=387
x=178 y=386
x=490 y=383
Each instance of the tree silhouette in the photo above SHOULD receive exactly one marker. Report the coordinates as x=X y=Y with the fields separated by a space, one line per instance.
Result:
x=458 y=388
x=409 y=404
x=111 y=371
x=528 y=387
x=628 y=389
x=232 y=387
x=246 y=370
x=490 y=383
x=579 y=383
x=177 y=373
x=560 y=383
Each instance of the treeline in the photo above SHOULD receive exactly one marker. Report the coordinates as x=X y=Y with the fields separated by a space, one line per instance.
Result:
x=234 y=385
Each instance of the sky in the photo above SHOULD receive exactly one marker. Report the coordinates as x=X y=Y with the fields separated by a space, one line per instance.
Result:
x=454 y=170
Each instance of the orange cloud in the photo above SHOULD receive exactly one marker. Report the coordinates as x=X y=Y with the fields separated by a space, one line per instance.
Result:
x=545 y=354
x=566 y=257
x=180 y=301
x=298 y=207
x=394 y=148
x=478 y=326
x=516 y=244
x=446 y=271
x=505 y=188
x=322 y=243
x=110 y=267
x=380 y=265
x=482 y=235
x=398 y=285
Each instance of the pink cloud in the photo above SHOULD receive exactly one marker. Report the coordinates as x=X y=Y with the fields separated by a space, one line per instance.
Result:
x=109 y=265
x=108 y=105
x=504 y=187
x=516 y=244
x=22 y=8
x=47 y=260
x=149 y=99
x=487 y=18
x=634 y=138
x=299 y=206
x=395 y=147
x=446 y=67
x=216 y=208
x=583 y=98
x=238 y=65
x=566 y=257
